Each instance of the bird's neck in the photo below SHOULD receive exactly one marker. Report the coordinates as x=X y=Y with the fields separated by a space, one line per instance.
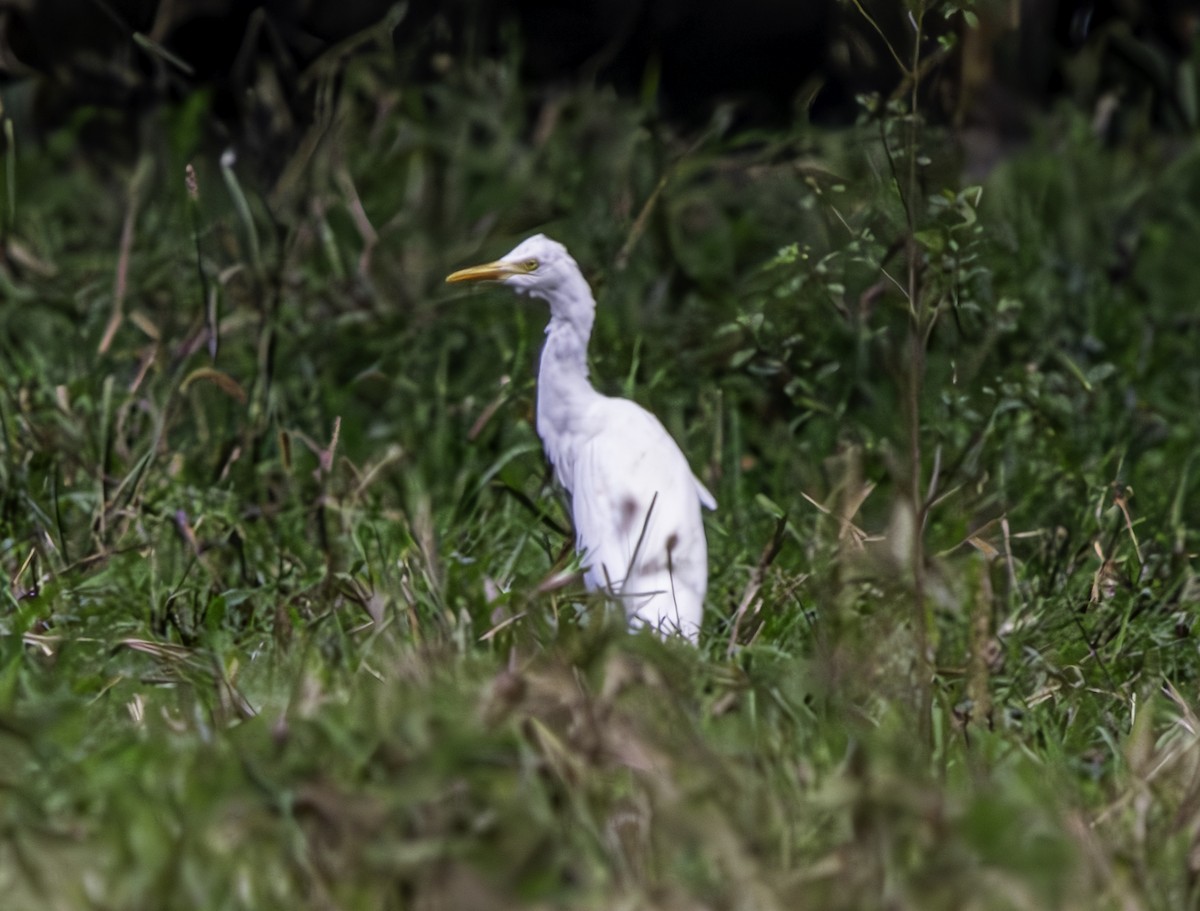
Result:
x=564 y=391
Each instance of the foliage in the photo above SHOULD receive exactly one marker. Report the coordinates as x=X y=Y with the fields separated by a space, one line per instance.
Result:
x=291 y=617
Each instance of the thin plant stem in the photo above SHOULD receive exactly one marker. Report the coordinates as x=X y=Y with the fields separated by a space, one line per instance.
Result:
x=917 y=335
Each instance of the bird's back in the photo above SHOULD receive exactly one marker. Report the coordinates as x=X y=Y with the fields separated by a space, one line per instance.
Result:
x=636 y=506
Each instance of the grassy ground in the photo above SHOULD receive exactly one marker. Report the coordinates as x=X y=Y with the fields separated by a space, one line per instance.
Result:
x=291 y=619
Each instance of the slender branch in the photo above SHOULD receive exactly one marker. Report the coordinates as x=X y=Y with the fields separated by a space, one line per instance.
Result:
x=916 y=377
x=875 y=25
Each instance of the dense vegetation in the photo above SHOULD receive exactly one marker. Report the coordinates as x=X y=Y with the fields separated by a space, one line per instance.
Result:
x=292 y=618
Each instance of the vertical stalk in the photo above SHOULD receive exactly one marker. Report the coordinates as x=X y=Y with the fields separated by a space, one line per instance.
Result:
x=10 y=176
x=917 y=336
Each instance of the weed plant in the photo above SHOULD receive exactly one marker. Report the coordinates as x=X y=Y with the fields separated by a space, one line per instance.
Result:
x=292 y=618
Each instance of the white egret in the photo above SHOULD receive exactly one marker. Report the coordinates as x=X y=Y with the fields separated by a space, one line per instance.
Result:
x=634 y=499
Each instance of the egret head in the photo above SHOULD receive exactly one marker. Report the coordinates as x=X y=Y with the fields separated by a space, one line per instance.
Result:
x=539 y=267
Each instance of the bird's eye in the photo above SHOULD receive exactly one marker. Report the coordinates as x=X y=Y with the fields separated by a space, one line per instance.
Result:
x=530 y=265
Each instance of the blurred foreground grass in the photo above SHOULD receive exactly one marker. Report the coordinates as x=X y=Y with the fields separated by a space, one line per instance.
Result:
x=290 y=620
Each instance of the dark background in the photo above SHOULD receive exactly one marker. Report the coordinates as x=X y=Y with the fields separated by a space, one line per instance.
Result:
x=766 y=61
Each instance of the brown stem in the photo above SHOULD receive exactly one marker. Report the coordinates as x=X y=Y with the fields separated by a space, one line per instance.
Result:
x=916 y=365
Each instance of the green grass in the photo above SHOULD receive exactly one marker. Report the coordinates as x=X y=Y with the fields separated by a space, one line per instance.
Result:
x=294 y=625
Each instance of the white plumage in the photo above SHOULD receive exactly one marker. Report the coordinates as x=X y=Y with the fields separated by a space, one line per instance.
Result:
x=634 y=499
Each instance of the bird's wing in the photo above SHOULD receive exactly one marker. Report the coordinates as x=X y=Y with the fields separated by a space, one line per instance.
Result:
x=636 y=506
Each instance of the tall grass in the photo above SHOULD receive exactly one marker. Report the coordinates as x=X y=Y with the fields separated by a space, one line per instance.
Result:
x=292 y=618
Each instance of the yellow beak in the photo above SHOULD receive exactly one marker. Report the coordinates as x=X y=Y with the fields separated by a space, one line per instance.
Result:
x=488 y=272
